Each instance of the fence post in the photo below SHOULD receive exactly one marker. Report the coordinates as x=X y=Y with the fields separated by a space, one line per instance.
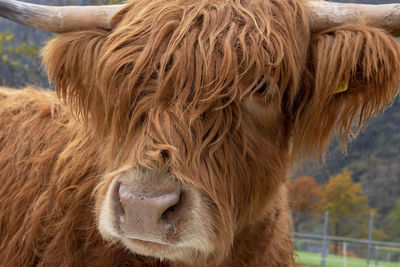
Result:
x=376 y=255
x=324 y=240
x=344 y=254
x=371 y=221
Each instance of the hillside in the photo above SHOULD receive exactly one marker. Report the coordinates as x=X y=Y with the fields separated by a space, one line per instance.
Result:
x=373 y=158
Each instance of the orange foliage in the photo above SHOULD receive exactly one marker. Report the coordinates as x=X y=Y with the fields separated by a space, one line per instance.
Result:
x=304 y=197
x=304 y=194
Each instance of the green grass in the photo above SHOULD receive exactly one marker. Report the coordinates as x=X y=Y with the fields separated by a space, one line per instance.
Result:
x=314 y=259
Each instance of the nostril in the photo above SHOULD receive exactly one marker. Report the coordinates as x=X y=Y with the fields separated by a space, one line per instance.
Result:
x=118 y=207
x=164 y=155
x=171 y=212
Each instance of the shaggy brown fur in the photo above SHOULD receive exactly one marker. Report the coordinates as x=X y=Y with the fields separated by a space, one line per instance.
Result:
x=182 y=78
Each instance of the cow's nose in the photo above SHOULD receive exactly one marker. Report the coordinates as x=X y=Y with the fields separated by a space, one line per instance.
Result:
x=148 y=212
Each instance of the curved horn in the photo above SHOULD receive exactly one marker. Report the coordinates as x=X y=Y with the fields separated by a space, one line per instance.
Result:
x=58 y=19
x=328 y=14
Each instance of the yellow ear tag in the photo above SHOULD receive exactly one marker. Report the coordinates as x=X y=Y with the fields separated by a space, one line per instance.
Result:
x=343 y=86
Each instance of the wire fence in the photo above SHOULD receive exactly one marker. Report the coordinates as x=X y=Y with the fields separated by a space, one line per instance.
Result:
x=321 y=249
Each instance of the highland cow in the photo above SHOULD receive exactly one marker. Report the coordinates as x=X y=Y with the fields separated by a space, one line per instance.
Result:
x=174 y=126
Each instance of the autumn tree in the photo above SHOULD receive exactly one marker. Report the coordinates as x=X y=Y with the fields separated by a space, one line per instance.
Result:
x=18 y=58
x=347 y=206
x=304 y=198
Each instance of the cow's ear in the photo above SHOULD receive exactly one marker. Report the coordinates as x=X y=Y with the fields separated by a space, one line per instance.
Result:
x=353 y=72
x=71 y=61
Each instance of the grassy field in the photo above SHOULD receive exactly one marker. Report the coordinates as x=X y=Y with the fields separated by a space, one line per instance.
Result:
x=314 y=259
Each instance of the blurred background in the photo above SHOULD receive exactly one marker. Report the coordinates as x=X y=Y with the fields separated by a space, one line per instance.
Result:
x=346 y=211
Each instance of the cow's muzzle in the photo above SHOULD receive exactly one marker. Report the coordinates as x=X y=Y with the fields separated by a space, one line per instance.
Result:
x=149 y=211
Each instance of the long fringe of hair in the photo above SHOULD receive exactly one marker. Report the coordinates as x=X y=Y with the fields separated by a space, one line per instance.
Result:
x=192 y=54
